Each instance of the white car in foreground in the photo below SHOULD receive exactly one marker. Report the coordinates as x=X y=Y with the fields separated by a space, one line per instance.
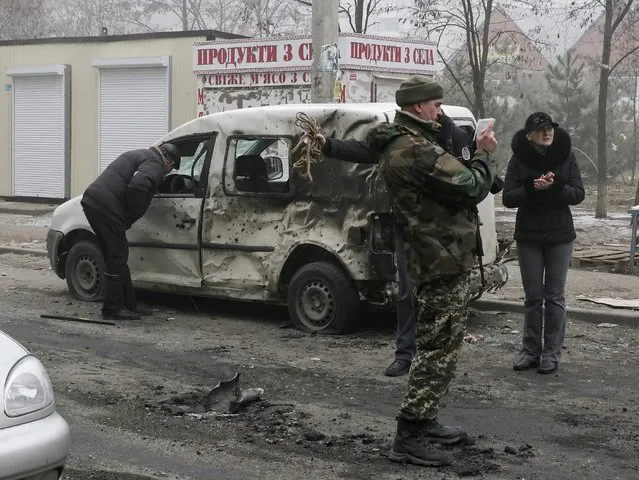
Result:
x=34 y=438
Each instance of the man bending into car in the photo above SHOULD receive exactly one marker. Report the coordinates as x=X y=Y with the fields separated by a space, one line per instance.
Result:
x=114 y=202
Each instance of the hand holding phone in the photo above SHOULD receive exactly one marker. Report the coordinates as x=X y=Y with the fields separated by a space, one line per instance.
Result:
x=482 y=125
x=486 y=140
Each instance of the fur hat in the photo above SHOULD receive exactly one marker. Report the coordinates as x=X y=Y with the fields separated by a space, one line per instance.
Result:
x=417 y=89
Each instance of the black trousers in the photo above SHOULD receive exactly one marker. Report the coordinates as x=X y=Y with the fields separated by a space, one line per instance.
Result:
x=405 y=333
x=112 y=240
x=115 y=248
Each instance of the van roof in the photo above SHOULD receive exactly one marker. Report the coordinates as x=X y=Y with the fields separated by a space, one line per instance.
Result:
x=273 y=116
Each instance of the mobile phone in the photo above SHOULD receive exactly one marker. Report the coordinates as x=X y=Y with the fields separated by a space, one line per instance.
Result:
x=482 y=125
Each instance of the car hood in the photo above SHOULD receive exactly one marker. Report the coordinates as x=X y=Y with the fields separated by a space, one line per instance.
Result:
x=10 y=352
x=69 y=216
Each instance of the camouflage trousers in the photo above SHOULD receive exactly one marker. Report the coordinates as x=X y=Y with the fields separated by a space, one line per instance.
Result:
x=441 y=311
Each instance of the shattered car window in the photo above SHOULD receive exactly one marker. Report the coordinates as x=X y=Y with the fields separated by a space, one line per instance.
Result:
x=260 y=165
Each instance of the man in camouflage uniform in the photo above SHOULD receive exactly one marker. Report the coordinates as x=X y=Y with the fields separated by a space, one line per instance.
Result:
x=434 y=196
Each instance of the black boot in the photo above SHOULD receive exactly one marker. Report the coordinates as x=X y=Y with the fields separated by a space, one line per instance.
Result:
x=113 y=308
x=130 y=302
x=409 y=448
x=434 y=432
x=398 y=368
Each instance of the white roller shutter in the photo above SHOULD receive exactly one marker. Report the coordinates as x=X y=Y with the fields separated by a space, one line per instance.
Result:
x=39 y=133
x=134 y=106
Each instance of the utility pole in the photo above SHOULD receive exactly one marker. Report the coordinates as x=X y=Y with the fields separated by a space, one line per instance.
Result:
x=325 y=36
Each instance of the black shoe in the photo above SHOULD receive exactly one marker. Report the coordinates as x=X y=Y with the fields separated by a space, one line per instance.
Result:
x=119 y=314
x=434 y=432
x=398 y=368
x=141 y=310
x=408 y=447
x=547 y=366
x=114 y=301
x=526 y=363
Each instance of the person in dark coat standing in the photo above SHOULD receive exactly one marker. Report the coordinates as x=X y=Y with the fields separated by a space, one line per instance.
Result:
x=114 y=202
x=542 y=181
x=451 y=138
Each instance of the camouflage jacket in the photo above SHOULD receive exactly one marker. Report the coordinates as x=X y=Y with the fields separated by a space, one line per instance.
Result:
x=433 y=195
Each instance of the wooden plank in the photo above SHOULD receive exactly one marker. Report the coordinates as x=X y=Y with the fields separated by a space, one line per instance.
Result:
x=613 y=256
x=601 y=253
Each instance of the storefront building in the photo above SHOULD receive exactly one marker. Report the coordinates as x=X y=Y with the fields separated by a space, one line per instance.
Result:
x=248 y=72
x=72 y=105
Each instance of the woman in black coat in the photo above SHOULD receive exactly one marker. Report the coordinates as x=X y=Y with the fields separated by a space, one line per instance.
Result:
x=542 y=181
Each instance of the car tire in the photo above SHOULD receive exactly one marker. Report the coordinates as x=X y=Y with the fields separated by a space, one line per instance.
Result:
x=84 y=268
x=321 y=298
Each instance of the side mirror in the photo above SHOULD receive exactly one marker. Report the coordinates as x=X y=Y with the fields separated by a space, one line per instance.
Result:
x=274 y=168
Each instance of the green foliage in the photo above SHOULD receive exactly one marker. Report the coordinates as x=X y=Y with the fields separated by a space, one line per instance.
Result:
x=572 y=103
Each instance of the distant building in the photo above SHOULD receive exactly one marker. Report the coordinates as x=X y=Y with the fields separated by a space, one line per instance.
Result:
x=514 y=59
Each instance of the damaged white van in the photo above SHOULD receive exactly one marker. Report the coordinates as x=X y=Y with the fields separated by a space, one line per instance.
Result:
x=238 y=221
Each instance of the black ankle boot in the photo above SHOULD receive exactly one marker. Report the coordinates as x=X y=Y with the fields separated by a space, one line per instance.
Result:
x=129 y=296
x=434 y=432
x=140 y=309
x=113 y=308
x=408 y=447
x=526 y=362
x=121 y=314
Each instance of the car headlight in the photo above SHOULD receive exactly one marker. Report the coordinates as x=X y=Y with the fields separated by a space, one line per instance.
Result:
x=28 y=388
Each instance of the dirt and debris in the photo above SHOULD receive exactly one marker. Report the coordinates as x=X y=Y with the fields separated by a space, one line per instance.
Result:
x=134 y=395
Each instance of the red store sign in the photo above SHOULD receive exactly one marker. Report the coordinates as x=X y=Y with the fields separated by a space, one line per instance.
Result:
x=357 y=52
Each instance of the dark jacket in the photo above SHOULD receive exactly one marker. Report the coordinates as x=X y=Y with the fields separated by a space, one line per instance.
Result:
x=123 y=192
x=433 y=194
x=450 y=137
x=543 y=216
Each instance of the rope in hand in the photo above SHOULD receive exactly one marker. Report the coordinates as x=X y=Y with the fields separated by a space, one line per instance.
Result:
x=309 y=145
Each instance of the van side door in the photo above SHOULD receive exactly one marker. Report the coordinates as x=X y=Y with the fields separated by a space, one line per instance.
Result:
x=244 y=215
x=165 y=243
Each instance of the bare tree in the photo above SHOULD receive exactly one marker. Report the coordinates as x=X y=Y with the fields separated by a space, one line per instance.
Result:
x=359 y=13
x=22 y=19
x=94 y=17
x=486 y=46
x=247 y=17
x=273 y=17
x=615 y=22
x=187 y=12
x=470 y=21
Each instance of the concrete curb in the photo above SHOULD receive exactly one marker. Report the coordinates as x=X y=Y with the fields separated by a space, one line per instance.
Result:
x=22 y=251
x=628 y=318
x=26 y=211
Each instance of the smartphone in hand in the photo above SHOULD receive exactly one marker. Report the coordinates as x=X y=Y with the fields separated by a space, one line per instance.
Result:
x=482 y=125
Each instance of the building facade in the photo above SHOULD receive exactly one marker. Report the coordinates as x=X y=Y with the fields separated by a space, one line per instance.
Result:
x=70 y=106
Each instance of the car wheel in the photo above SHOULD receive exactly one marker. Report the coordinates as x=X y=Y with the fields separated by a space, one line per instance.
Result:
x=84 y=269
x=321 y=298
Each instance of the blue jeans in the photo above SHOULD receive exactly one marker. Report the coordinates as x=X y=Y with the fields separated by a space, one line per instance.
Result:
x=544 y=269
x=405 y=334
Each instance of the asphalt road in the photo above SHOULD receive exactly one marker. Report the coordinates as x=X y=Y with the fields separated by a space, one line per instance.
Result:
x=134 y=393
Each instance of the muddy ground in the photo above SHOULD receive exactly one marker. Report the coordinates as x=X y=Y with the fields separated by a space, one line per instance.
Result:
x=133 y=393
